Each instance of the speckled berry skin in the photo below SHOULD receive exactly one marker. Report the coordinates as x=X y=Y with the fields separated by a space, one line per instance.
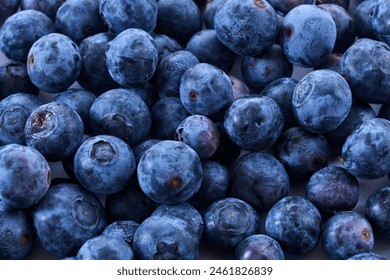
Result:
x=321 y=101
x=367 y=257
x=227 y=222
x=54 y=129
x=104 y=164
x=165 y=237
x=296 y=224
x=183 y=211
x=259 y=179
x=287 y=5
x=167 y=114
x=362 y=18
x=246 y=27
x=366 y=67
x=366 y=151
x=120 y=15
x=14 y=79
x=48 y=7
x=123 y=229
x=66 y=218
x=205 y=90
x=21 y=30
x=380 y=21
x=259 y=247
x=307 y=35
x=53 y=63
x=7 y=9
x=25 y=176
x=16 y=233
x=170 y=70
x=14 y=111
x=346 y=234
x=209 y=10
x=170 y=172
x=121 y=113
x=254 y=123
x=94 y=75
x=165 y=45
x=376 y=210
x=333 y=189
x=103 y=247
x=200 y=133
x=132 y=57
x=79 y=19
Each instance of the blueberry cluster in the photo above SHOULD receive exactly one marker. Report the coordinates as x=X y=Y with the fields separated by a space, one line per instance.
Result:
x=185 y=129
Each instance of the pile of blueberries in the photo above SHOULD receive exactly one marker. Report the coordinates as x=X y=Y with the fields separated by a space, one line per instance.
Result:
x=179 y=128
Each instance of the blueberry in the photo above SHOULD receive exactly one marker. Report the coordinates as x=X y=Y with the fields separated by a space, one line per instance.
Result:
x=178 y=19
x=68 y=163
x=346 y=234
x=307 y=35
x=48 y=7
x=215 y=185
x=142 y=147
x=16 y=233
x=246 y=27
x=66 y=218
x=21 y=30
x=170 y=70
x=166 y=45
x=14 y=111
x=200 y=133
x=281 y=90
x=147 y=91
x=121 y=15
x=380 y=21
x=366 y=67
x=167 y=114
x=121 y=113
x=205 y=90
x=366 y=256
x=209 y=11
x=259 y=247
x=132 y=57
x=25 y=176
x=284 y=6
x=94 y=75
x=170 y=172
x=206 y=46
x=165 y=237
x=79 y=19
x=342 y=3
x=366 y=151
x=254 y=123
x=332 y=189
x=301 y=152
x=54 y=63
x=295 y=223
x=321 y=101
x=345 y=27
x=185 y=212
x=227 y=222
x=129 y=204
x=360 y=111
x=103 y=247
x=14 y=79
x=104 y=164
x=123 y=230
x=80 y=101
x=239 y=87
x=362 y=18
x=54 y=129
x=7 y=9
x=376 y=210
x=259 y=179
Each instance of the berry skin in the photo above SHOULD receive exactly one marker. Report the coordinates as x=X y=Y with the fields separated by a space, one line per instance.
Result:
x=259 y=247
x=123 y=229
x=366 y=151
x=48 y=7
x=25 y=176
x=132 y=57
x=376 y=210
x=104 y=164
x=254 y=123
x=170 y=172
x=54 y=63
x=346 y=234
x=307 y=35
x=246 y=27
x=54 y=129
